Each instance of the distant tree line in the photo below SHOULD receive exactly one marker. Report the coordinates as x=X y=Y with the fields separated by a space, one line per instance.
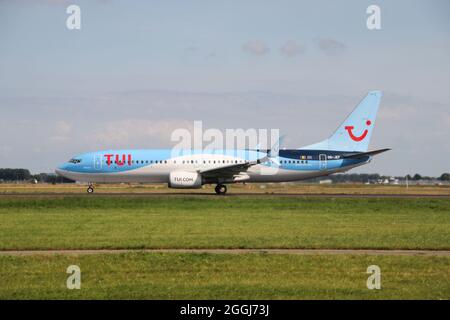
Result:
x=51 y=178
x=15 y=174
x=365 y=177
x=443 y=177
x=356 y=177
x=350 y=177
x=8 y=175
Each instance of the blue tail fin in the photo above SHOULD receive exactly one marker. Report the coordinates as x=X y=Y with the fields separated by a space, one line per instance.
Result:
x=355 y=132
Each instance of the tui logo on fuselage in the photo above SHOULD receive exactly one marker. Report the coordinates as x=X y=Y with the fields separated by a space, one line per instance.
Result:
x=125 y=159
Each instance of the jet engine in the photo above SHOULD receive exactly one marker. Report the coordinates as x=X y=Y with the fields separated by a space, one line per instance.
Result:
x=185 y=180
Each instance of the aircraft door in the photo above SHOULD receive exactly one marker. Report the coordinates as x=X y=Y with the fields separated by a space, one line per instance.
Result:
x=98 y=162
x=322 y=161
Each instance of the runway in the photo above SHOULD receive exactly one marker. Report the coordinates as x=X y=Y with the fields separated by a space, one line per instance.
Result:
x=210 y=194
x=372 y=252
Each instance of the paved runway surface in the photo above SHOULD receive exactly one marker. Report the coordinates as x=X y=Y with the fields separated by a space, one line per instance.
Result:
x=299 y=195
x=235 y=251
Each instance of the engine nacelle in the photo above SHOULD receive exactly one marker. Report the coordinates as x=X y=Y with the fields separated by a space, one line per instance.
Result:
x=185 y=180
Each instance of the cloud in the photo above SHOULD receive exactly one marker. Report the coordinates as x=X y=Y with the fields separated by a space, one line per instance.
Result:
x=62 y=128
x=256 y=47
x=4 y=149
x=136 y=132
x=330 y=46
x=61 y=131
x=292 y=48
x=191 y=48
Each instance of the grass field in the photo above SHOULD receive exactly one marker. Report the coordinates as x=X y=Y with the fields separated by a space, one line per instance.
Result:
x=183 y=221
x=216 y=276
x=235 y=188
x=223 y=222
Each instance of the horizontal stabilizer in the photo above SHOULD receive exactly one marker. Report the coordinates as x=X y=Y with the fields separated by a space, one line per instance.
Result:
x=364 y=154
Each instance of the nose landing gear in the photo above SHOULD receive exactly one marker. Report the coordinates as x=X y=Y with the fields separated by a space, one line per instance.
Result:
x=90 y=189
x=221 y=189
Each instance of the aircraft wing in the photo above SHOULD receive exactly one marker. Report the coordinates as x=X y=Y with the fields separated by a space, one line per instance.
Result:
x=228 y=170
x=231 y=170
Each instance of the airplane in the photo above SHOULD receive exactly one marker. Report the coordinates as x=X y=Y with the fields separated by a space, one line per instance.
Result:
x=345 y=149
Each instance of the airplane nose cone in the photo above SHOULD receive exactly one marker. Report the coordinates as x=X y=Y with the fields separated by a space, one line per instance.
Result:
x=61 y=169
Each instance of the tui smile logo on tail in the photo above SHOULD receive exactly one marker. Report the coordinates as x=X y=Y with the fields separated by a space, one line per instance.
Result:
x=362 y=136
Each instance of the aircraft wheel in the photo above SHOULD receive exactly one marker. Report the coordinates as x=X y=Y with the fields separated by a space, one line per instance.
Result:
x=90 y=189
x=221 y=189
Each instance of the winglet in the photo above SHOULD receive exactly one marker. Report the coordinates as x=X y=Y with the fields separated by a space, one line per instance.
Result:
x=275 y=149
x=272 y=153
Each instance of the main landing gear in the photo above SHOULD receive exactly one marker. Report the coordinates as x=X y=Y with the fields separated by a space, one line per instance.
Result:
x=221 y=189
x=90 y=189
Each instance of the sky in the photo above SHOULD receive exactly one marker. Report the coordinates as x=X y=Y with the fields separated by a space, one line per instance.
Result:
x=137 y=70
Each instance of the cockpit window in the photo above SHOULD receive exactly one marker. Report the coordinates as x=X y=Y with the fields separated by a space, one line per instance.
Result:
x=75 y=160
